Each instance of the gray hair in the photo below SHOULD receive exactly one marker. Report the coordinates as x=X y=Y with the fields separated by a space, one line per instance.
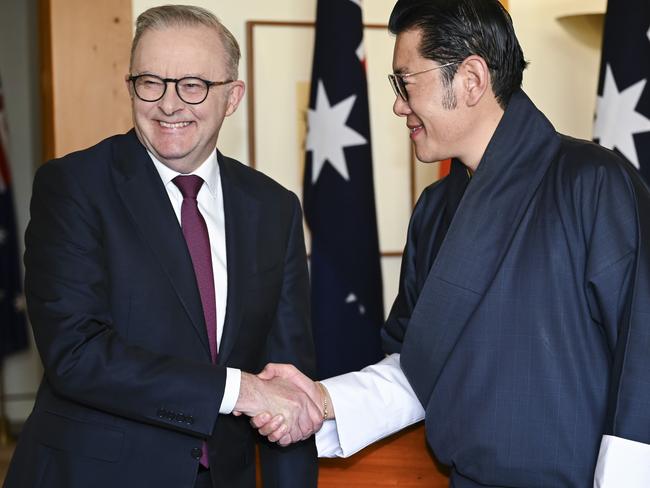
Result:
x=187 y=16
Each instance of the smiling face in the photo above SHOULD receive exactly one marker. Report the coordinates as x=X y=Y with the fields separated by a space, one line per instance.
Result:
x=182 y=135
x=433 y=115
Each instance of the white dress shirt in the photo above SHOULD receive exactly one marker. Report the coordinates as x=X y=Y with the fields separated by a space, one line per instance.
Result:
x=378 y=401
x=369 y=405
x=210 y=202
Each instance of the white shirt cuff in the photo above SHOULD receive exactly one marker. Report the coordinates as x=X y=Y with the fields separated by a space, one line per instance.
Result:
x=369 y=405
x=231 y=391
x=622 y=462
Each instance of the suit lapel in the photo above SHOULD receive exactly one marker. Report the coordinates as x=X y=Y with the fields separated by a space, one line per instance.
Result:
x=241 y=211
x=478 y=238
x=145 y=198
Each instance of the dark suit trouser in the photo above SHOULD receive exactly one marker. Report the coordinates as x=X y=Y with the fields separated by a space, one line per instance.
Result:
x=203 y=479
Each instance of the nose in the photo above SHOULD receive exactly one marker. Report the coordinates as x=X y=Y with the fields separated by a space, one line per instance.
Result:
x=401 y=108
x=170 y=103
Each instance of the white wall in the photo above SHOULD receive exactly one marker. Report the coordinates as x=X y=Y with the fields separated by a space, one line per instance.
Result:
x=564 y=55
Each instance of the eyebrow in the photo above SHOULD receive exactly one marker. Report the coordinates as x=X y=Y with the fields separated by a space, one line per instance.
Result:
x=146 y=72
x=400 y=71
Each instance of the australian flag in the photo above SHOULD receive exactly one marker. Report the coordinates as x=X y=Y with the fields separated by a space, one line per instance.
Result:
x=623 y=107
x=339 y=199
x=13 y=329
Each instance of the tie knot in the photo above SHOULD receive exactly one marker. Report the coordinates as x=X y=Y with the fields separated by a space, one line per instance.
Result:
x=189 y=185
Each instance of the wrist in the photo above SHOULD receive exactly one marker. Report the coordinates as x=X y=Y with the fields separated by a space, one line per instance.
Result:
x=326 y=402
x=248 y=389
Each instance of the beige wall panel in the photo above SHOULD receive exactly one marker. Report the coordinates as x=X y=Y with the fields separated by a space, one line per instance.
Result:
x=423 y=175
x=281 y=99
x=564 y=57
x=89 y=51
x=391 y=146
x=390 y=266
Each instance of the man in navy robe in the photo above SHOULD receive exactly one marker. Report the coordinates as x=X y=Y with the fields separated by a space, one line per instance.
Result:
x=521 y=331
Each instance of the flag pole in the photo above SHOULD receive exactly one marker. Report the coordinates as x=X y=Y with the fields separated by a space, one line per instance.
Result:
x=5 y=434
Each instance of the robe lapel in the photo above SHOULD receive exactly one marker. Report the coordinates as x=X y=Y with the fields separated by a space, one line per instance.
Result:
x=478 y=238
x=145 y=198
x=241 y=211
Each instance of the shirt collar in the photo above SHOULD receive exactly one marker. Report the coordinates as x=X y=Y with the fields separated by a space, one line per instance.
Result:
x=208 y=170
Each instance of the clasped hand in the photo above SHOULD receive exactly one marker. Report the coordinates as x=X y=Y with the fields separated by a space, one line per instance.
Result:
x=285 y=405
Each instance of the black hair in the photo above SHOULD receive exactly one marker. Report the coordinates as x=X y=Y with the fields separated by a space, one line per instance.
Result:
x=452 y=30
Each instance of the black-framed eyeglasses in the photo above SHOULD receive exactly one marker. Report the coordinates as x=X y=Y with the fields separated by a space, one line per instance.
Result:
x=192 y=90
x=397 y=80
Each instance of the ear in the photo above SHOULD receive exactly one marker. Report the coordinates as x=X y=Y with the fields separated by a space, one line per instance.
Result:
x=235 y=94
x=476 y=79
x=129 y=86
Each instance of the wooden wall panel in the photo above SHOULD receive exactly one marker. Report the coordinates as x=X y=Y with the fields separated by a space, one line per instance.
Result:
x=85 y=52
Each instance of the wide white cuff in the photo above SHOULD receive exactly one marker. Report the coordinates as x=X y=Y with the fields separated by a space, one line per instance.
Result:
x=231 y=391
x=369 y=405
x=327 y=441
x=622 y=462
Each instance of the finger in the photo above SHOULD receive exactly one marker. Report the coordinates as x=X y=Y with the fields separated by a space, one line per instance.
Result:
x=285 y=441
x=282 y=431
x=271 y=426
x=272 y=370
x=268 y=372
x=303 y=427
x=260 y=419
x=236 y=413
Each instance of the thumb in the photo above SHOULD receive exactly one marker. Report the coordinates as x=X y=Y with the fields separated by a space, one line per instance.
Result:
x=270 y=371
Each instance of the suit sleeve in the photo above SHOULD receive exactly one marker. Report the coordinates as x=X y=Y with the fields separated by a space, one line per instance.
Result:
x=290 y=341
x=618 y=287
x=84 y=358
x=396 y=324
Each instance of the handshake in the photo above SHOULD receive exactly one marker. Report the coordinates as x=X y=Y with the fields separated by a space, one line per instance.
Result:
x=285 y=406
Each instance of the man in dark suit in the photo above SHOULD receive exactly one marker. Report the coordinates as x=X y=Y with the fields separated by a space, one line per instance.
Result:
x=158 y=271
x=521 y=331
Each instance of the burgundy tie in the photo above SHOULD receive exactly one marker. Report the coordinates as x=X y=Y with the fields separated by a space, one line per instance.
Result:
x=198 y=243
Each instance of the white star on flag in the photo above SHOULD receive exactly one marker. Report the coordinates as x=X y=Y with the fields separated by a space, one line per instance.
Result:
x=361 y=52
x=328 y=134
x=616 y=118
x=351 y=298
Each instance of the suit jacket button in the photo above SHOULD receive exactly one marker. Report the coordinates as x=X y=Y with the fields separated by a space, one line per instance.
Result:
x=196 y=453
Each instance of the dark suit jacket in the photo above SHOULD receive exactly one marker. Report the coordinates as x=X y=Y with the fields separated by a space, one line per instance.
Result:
x=129 y=392
x=523 y=314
